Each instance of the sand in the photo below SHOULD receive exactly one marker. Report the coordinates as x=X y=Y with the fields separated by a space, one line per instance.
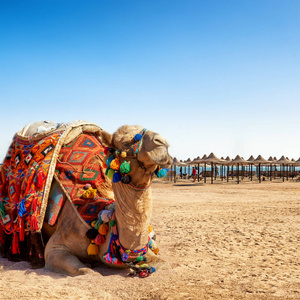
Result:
x=221 y=241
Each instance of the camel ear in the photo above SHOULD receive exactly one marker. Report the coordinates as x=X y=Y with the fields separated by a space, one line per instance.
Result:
x=107 y=139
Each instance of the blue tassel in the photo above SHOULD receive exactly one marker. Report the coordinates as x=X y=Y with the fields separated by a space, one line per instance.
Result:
x=162 y=173
x=22 y=209
x=137 y=137
x=109 y=160
x=117 y=177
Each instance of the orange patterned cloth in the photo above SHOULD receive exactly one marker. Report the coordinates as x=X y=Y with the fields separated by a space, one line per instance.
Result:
x=80 y=165
x=23 y=180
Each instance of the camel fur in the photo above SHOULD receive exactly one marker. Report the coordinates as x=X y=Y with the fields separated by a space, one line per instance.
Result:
x=67 y=243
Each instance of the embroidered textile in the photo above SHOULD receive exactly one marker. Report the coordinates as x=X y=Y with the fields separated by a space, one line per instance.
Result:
x=80 y=164
x=24 y=184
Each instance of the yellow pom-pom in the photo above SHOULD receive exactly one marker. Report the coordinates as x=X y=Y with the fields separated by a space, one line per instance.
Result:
x=103 y=229
x=123 y=154
x=90 y=193
x=93 y=193
x=93 y=249
x=86 y=194
x=150 y=228
x=155 y=251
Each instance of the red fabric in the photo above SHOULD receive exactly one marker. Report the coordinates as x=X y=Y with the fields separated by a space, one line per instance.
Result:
x=22 y=182
x=81 y=163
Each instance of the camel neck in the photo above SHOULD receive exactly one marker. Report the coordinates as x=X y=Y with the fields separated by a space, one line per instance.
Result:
x=133 y=212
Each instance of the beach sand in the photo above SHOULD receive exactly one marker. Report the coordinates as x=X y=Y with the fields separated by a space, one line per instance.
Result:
x=221 y=241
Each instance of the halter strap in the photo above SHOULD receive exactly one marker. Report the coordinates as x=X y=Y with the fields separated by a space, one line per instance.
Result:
x=135 y=147
x=140 y=188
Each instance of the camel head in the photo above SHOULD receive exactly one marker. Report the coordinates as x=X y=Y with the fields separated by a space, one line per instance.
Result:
x=145 y=154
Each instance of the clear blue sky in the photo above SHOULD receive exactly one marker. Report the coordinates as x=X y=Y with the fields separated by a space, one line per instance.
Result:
x=211 y=76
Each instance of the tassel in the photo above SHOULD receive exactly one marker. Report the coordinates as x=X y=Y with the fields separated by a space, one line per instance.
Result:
x=103 y=229
x=1 y=235
x=15 y=245
x=91 y=233
x=40 y=179
x=34 y=224
x=99 y=240
x=34 y=204
x=93 y=249
x=105 y=151
x=22 y=230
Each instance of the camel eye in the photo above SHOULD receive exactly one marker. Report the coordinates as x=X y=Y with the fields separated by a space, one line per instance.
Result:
x=127 y=145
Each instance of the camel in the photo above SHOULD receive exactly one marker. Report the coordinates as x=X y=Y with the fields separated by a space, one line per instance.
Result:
x=66 y=248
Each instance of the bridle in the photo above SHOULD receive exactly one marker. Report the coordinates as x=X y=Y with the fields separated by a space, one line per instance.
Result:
x=119 y=172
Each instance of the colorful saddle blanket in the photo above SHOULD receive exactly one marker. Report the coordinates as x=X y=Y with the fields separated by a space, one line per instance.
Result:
x=73 y=154
x=23 y=182
x=79 y=169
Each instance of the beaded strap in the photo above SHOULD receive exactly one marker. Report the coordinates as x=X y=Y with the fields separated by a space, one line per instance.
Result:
x=117 y=254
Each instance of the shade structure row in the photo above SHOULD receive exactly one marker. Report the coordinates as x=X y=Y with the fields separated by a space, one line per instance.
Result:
x=212 y=158
x=213 y=161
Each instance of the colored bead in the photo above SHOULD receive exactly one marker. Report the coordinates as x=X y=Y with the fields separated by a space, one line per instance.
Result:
x=162 y=173
x=124 y=256
x=144 y=274
x=126 y=179
x=117 y=177
x=106 y=215
x=109 y=160
x=97 y=224
x=92 y=249
x=100 y=239
x=115 y=164
x=87 y=186
x=155 y=251
x=91 y=233
x=125 y=167
x=103 y=229
x=137 y=137
x=139 y=258
x=110 y=173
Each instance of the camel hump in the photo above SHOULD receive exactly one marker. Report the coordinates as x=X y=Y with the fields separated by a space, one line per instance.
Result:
x=38 y=127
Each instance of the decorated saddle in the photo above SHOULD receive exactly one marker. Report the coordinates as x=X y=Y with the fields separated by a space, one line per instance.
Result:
x=73 y=155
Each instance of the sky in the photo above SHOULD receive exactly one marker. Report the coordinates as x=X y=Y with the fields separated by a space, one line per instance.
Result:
x=216 y=76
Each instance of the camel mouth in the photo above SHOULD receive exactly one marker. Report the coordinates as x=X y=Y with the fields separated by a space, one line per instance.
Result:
x=165 y=163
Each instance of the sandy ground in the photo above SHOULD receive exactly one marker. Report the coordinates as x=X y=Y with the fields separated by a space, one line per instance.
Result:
x=221 y=241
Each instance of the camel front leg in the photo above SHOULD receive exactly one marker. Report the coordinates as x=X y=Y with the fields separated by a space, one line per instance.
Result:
x=59 y=259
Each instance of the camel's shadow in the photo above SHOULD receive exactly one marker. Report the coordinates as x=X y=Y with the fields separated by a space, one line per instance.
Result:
x=98 y=268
